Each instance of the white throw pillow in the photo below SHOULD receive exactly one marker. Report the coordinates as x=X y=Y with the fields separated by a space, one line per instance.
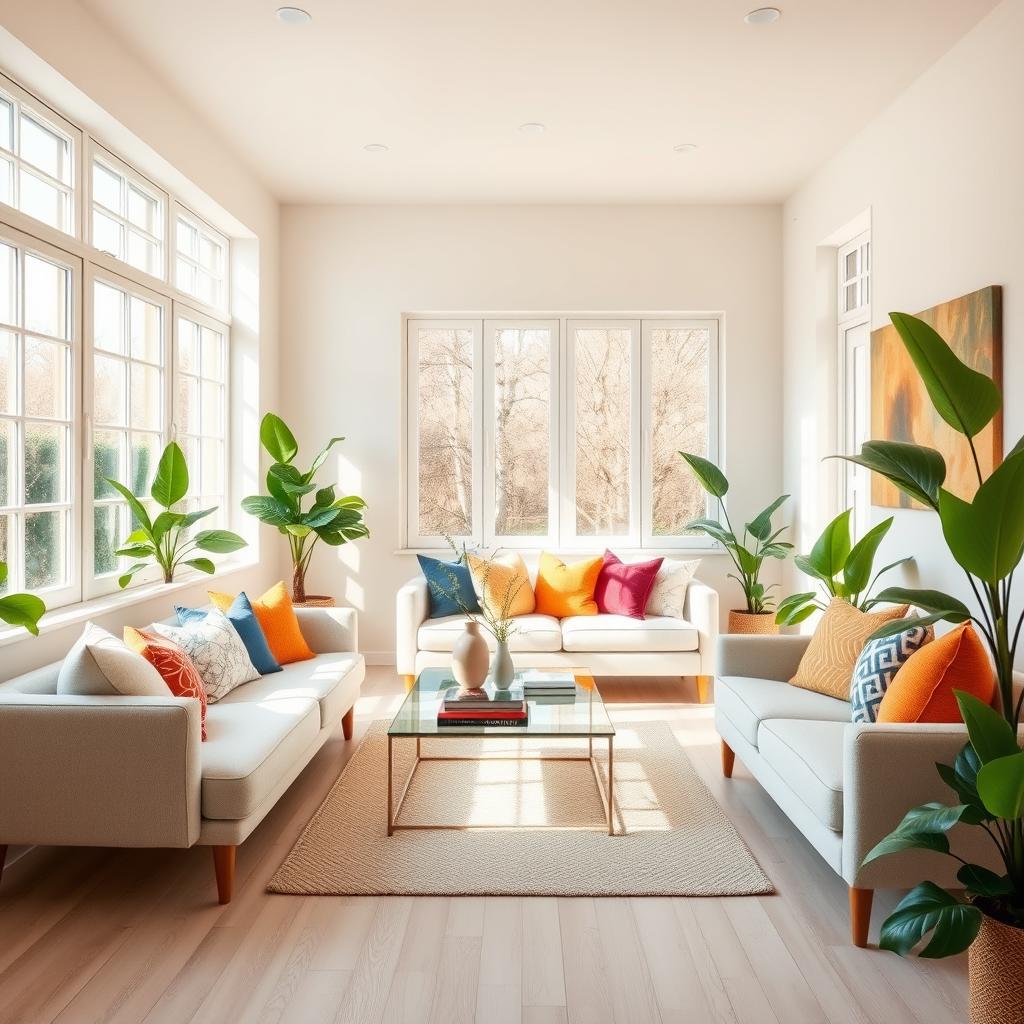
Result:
x=216 y=650
x=668 y=595
x=100 y=665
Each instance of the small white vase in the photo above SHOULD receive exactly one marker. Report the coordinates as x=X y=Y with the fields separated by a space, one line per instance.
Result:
x=470 y=657
x=503 y=672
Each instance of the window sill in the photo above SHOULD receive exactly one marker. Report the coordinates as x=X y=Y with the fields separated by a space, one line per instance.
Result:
x=71 y=614
x=693 y=551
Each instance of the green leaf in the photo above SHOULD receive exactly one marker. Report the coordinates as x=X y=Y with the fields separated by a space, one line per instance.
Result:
x=991 y=734
x=760 y=527
x=3 y=573
x=982 y=882
x=797 y=615
x=136 y=551
x=922 y=828
x=713 y=529
x=861 y=559
x=325 y=496
x=24 y=610
x=164 y=522
x=966 y=399
x=126 y=578
x=321 y=458
x=927 y=908
x=202 y=564
x=708 y=475
x=267 y=510
x=350 y=501
x=1001 y=786
x=138 y=509
x=913 y=469
x=278 y=440
x=962 y=778
x=927 y=601
x=298 y=530
x=828 y=556
x=289 y=479
x=220 y=542
x=275 y=485
x=170 y=484
x=749 y=562
x=193 y=517
x=803 y=563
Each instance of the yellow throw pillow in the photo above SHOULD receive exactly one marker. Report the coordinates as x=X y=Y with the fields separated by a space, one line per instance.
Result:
x=276 y=616
x=831 y=656
x=564 y=590
x=502 y=583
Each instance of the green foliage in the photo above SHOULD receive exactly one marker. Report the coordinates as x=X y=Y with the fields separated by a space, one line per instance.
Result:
x=332 y=519
x=23 y=610
x=760 y=540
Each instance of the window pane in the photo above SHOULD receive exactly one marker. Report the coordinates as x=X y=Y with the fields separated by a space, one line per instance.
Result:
x=145 y=326
x=143 y=254
x=6 y=531
x=46 y=379
x=45 y=463
x=212 y=418
x=107 y=234
x=209 y=254
x=147 y=397
x=8 y=441
x=106 y=187
x=522 y=411
x=602 y=406
x=111 y=390
x=213 y=354
x=108 y=533
x=42 y=200
x=108 y=450
x=187 y=239
x=208 y=289
x=6 y=181
x=43 y=148
x=445 y=418
x=6 y=128
x=212 y=474
x=45 y=541
x=185 y=277
x=679 y=362
x=143 y=211
x=8 y=372
x=188 y=345
x=46 y=304
x=188 y=405
x=8 y=284
x=108 y=318
x=145 y=455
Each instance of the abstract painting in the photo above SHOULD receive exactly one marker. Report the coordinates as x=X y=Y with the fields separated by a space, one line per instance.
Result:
x=902 y=411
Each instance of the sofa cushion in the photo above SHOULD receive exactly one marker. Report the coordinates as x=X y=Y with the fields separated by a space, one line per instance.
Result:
x=623 y=633
x=99 y=664
x=250 y=746
x=809 y=756
x=539 y=633
x=747 y=702
x=333 y=680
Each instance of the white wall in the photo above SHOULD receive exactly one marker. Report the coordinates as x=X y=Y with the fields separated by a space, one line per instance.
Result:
x=348 y=273
x=940 y=170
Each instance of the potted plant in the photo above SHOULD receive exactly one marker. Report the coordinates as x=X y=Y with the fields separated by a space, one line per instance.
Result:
x=760 y=541
x=843 y=568
x=165 y=540
x=329 y=518
x=985 y=537
x=23 y=610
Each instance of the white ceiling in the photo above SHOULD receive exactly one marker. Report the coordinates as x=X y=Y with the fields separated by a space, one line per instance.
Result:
x=445 y=83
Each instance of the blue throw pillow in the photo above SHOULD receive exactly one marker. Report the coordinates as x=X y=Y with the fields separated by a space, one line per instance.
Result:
x=442 y=592
x=248 y=627
x=878 y=664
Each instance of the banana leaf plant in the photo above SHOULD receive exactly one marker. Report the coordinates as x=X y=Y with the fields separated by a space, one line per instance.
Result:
x=760 y=540
x=332 y=519
x=23 y=610
x=843 y=569
x=166 y=539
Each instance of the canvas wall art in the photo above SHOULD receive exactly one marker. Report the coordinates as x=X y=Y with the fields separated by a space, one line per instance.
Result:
x=902 y=411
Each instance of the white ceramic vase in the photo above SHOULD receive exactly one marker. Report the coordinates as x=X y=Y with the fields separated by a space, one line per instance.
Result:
x=470 y=657
x=503 y=672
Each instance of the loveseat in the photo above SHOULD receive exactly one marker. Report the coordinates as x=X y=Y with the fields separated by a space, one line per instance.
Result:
x=133 y=771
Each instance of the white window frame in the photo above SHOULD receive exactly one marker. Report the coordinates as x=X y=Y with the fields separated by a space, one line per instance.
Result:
x=180 y=211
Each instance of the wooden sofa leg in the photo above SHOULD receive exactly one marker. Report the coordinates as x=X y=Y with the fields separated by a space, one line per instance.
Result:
x=348 y=722
x=728 y=759
x=860 y=915
x=410 y=682
x=224 y=866
x=703 y=689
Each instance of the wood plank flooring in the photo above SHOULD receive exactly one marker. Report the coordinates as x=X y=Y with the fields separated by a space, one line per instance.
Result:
x=123 y=936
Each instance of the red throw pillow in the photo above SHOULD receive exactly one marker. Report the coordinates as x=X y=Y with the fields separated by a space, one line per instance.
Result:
x=173 y=664
x=623 y=588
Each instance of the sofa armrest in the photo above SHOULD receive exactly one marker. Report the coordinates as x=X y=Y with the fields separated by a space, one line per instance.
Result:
x=700 y=609
x=412 y=606
x=760 y=657
x=329 y=630
x=99 y=771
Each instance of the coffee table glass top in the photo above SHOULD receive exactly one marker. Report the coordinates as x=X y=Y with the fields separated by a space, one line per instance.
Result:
x=582 y=714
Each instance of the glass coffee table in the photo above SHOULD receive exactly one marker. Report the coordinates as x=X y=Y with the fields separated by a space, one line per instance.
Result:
x=582 y=717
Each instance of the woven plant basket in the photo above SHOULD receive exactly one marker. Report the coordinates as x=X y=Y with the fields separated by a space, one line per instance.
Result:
x=316 y=601
x=747 y=622
x=996 y=961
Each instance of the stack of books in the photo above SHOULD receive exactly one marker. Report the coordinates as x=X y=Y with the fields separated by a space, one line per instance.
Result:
x=551 y=686
x=484 y=707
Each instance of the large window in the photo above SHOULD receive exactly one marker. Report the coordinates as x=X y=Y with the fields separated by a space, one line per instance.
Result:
x=564 y=431
x=200 y=261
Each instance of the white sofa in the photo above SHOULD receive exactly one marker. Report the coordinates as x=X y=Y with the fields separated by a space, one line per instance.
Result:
x=133 y=771
x=605 y=645
x=845 y=786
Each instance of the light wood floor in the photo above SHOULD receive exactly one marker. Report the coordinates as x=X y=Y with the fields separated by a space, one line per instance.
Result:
x=91 y=935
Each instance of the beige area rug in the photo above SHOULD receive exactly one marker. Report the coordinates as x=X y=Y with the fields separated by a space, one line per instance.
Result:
x=678 y=840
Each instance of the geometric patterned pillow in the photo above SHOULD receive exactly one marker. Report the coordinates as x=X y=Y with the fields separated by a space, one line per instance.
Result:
x=173 y=664
x=668 y=595
x=878 y=664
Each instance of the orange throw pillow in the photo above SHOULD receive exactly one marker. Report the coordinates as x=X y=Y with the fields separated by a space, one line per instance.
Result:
x=567 y=589
x=276 y=616
x=502 y=582
x=922 y=690
x=173 y=664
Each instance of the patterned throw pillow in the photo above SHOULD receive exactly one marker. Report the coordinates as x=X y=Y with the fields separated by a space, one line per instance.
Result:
x=172 y=663
x=216 y=650
x=877 y=665
x=241 y=615
x=668 y=595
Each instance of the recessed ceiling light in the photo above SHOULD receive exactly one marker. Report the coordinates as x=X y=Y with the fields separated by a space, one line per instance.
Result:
x=685 y=147
x=763 y=16
x=532 y=128
x=375 y=147
x=294 y=16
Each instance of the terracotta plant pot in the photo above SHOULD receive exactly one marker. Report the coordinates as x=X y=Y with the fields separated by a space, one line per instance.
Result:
x=996 y=962
x=315 y=601
x=748 y=622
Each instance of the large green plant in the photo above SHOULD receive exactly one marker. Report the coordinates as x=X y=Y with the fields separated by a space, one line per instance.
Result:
x=759 y=540
x=20 y=609
x=166 y=540
x=331 y=519
x=843 y=568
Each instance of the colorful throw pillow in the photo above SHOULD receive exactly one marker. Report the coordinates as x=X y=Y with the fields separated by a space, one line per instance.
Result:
x=100 y=665
x=668 y=595
x=173 y=664
x=624 y=588
x=241 y=615
x=567 y=588
x=445 y=580
x=877 y=666
x=216 y=650
x=502 y=582
x=924 y=689
x=277 y=619
x=828 y=663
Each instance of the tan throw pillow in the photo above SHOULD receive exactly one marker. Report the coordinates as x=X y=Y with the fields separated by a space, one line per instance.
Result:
x=828 y=663
x=99 y=664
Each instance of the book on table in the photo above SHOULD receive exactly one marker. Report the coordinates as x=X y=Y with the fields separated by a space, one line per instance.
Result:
x=483 y=717
x=536 y=682
x=487 y=698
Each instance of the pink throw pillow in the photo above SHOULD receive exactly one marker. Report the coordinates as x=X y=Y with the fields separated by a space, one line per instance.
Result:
x=623 y=589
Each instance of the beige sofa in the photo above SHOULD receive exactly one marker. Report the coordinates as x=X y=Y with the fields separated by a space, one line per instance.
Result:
x=605 y=645
x=133 y=771
x=845 y=786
